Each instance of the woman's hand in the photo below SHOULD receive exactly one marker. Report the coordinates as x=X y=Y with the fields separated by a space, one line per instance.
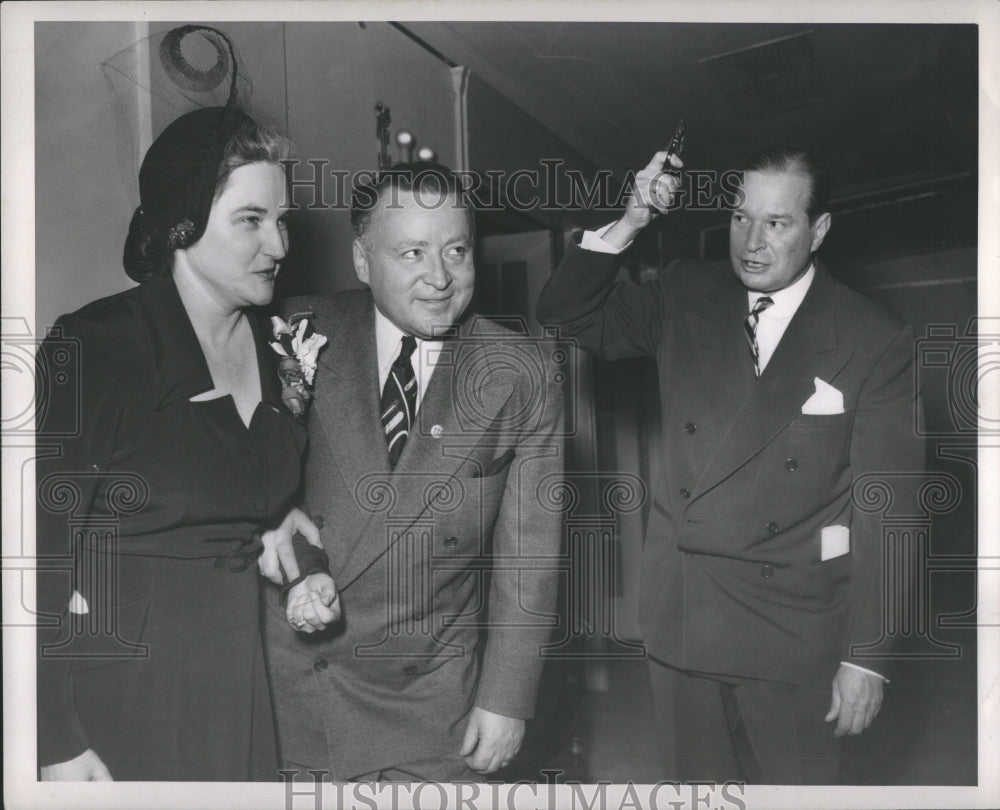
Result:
x=278 y=553
x=313 y=604
x=87 y=767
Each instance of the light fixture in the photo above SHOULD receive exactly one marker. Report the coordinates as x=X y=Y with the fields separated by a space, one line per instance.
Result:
x=405 y=141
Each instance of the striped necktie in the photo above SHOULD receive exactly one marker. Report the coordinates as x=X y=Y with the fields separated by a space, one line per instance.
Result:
x=399 y=400
x=750 y=327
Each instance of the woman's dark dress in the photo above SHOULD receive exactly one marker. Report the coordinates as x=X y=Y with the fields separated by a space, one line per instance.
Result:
x=156 y=502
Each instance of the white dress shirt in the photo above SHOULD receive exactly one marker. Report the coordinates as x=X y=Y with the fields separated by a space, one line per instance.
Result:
x=388 y=343
x=772 y=322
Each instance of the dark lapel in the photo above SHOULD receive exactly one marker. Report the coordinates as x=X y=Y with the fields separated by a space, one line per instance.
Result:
x=715 y=324
x=808 y=349
x=267 y=358
x=180 y=369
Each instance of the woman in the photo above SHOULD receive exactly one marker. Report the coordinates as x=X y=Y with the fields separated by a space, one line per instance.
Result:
x=182 y=453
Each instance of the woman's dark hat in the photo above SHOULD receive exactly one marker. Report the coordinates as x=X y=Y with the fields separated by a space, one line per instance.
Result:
x=179 y=173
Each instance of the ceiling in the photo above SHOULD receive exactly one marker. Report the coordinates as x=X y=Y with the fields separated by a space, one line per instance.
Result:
x=883 y=104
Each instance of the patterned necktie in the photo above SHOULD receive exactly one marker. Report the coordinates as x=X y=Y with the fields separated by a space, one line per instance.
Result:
x=750 y=327
x=399 y=401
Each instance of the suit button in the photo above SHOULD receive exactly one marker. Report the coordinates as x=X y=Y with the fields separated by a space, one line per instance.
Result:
x=410 y=669
x=418 y=615
x=318 y=520
x=690 y=428
x=791 y=464
x=766 y=571
x=772 y=527
x=320 y=664
x=451 y=542
x=685 y=492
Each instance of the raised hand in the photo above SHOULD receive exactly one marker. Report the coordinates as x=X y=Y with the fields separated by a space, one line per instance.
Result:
x=652 y=192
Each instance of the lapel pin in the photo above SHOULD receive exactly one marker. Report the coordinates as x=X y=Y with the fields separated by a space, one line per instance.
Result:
x=437 y=431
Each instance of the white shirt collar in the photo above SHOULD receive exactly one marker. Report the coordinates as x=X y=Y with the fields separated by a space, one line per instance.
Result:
x=388 y=342
x=388 y=338
x=787 y=300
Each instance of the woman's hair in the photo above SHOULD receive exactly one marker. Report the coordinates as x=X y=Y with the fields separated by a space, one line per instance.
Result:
x=183 y=173
x=252 y=143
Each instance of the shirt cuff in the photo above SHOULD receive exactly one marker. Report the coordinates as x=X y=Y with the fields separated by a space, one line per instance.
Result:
x=862 y=669
x=310 y=559
x=593 y=240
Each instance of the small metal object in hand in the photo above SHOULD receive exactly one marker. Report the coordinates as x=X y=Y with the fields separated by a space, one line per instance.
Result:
x=675 y=147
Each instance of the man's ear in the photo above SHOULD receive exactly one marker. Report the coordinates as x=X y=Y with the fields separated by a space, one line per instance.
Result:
x=819 y=230
x=360 y=262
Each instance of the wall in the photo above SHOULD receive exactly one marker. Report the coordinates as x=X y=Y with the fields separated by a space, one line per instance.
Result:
x=82 y=208
x=503 y=137
x=335 y=74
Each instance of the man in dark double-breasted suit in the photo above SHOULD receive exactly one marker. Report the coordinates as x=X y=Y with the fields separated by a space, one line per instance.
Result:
x=779 y=387
x=433 y=436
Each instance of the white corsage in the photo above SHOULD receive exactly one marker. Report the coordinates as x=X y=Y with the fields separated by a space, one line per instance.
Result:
x=298 y=343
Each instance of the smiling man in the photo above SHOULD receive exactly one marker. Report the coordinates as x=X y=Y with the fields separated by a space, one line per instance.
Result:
x=429 y=443
x=779 y=386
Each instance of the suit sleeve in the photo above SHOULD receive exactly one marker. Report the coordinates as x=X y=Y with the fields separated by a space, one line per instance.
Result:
x=614 y=320
x=527 y=538
x=883 y=440
x=75 y=434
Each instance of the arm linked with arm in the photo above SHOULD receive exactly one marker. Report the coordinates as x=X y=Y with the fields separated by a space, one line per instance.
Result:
x=614 y=320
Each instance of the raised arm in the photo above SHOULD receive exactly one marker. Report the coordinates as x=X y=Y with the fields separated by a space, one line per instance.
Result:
x=613 y=320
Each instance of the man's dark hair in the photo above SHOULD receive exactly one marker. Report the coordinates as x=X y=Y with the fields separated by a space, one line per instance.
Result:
x=433 y=179
x=797 y=161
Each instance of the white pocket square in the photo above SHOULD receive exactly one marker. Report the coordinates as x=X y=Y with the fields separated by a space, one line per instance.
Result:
x=78 y=605
x=825 y=401
x=835 y=541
